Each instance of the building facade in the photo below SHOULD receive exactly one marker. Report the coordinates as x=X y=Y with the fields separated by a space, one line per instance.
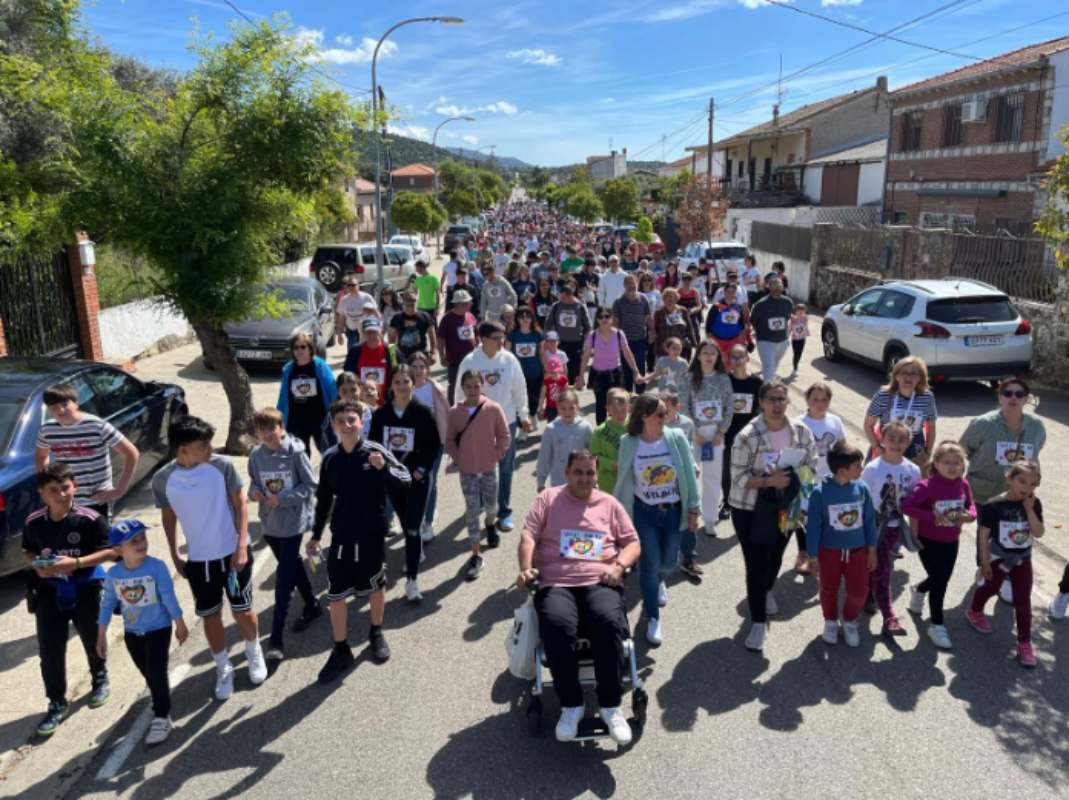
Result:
x=413 y=178
x=604 y=168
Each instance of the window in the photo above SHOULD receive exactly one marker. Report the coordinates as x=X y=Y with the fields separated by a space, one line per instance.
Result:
x=952 y=130
x=911 y=130
x=740 y=168
x=411 y=181
x=116 y=390
x=866 y=303
x=894 y=305
x=901 y=218
x=1009 y=117
x=963 y=310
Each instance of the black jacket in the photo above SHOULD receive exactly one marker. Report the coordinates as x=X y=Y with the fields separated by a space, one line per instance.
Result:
x=424 y=440
x=352 y=493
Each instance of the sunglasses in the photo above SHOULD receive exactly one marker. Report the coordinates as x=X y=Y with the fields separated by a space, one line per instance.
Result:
x=658 y=414
x=297 y=347
x=777 y=401
x=604 y=316
x=1020 y=394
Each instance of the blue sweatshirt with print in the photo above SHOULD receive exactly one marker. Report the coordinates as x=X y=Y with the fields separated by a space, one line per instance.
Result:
x=840 y=517
x=146 y=595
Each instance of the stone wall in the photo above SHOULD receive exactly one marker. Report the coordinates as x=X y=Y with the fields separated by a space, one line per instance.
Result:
x=831 y=285
x=1050 y=333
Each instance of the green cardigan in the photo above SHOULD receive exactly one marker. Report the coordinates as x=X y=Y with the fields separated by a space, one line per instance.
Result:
x=683 y=459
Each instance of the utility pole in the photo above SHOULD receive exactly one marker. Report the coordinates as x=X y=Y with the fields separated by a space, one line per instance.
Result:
x=709 y=154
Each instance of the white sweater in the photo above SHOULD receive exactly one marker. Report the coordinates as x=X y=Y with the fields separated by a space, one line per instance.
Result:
x=503 y=381
x=610 y=287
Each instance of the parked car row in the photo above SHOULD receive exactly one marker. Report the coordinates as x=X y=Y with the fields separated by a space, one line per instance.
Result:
x=332 y=262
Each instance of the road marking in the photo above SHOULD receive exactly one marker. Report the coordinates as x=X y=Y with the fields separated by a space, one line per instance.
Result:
x=139 y=728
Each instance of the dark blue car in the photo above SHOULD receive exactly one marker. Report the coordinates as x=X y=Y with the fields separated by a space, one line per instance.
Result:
x=142 y=411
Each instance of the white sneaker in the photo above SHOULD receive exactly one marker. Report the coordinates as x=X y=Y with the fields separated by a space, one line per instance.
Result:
x=851 y=635
x=158 y=730
x=412 y=593
x=426 y=532
x=831 y=631
x=224 y=682
x=653 y=632
x=1006 y=592
x=619 y=729
x=980 y=579
x=1059 y=606
x=254 y=654
x=568 y=726
x=771 y=606
x=939 y=636
x=916 y=600
x=662 y=595
x=756 y=638
x=395 y=527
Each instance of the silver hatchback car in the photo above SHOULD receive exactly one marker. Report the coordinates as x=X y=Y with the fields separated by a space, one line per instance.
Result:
x=963 y=329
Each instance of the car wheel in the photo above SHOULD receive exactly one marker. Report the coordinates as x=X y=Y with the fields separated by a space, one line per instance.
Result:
x=329 y=274
x=829 y=337
x=892 y=356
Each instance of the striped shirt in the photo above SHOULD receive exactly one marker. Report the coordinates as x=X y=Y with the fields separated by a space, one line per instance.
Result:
x=913 y=411
x=85 y=447
x=633 y=317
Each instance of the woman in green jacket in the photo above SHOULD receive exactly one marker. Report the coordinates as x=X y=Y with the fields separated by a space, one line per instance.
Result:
x=657 y=486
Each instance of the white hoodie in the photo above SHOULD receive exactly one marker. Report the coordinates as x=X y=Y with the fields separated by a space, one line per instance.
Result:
x=503 y=381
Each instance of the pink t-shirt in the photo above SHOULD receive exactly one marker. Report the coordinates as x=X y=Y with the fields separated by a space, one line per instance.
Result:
x=780 y=439
x=576 y=540
x=607 y=352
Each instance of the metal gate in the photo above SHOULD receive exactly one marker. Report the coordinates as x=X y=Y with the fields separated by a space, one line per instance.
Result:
x=37 y=307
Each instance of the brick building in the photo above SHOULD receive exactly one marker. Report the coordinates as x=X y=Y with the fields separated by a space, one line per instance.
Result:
x=968 y=148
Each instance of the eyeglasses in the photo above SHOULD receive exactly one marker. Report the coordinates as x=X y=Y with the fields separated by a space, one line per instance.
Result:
x=777 y=401
x=908 y=373
x=604 y=316
x=1020 y=394
x=297 y=347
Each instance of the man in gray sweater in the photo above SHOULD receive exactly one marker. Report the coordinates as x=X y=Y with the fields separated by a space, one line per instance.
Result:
x=770 y=316
x=496 y=294
x=282 y=482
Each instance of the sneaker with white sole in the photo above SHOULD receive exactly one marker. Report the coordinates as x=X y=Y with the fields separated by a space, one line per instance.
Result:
x=916 y=600
x=1059 y=606
x=851 y=634
x=831 y=631
x=412 y=592
x=616 y=722
x=771 y=606
x=254 y=655
x=662 y=595
x=939 y=636
x=653 y=633
x=224 y=682
x=1005 y=593
x=755 y=640
x=158 y=731
x=568 y=725
x=426 y=532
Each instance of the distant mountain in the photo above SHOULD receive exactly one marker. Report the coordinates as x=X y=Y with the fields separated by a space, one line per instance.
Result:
x=405 y=151
x=505 y=162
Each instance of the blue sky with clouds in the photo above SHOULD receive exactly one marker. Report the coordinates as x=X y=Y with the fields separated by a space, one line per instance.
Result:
x=551 y=82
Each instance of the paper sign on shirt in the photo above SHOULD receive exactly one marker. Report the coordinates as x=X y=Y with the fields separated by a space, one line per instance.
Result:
x=582 y=545
x=730 y=317
x=276 y=481
x=909 y=419
x=304 y=387
x=1006 y=453
x=845 y=516
x=742 y=402
x=707 y=411
x=1014 y=534
x=675 y=318
x=136 y=592
x=492 y=376
x=466 y=333
x=771 y=461
x=526 y=350
x=949 y=513
x=377 y=374
x=542 y=310
x=400 y=440
x=493 y=291
x=568 y=319
x=777 y=324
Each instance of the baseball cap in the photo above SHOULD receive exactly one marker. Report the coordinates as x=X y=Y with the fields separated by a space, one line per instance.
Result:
x=371 y=324
x=125 y=530
x=553 y=336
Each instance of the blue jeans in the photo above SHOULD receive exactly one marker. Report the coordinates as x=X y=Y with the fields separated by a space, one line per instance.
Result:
x=289 y=574
x=638 y=350
x=688 y=543
x=432 y=493
x=505 y=467
x=352 y=339
x=658 y=533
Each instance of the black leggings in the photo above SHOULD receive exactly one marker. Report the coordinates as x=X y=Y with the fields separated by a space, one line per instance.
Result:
x=289 y=575
x=797 y=346
x=410 y=503
x=1063 y=587
x=938 y=559
x=602 y=608
x=600 y=382
x=574 y=350
x=149 y=653
x=53 y=628
x=534 y=390
x=763 y=561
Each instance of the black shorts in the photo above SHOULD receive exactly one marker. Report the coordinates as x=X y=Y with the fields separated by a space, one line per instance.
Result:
x=356 y=569
x=208 y=580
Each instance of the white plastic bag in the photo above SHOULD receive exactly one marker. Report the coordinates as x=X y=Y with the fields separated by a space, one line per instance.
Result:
x=521 y=642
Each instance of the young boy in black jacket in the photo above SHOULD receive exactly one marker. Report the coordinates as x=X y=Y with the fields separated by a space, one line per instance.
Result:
x=354 y=477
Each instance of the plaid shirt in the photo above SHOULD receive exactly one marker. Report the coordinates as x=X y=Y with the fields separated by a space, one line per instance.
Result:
x=748 y=458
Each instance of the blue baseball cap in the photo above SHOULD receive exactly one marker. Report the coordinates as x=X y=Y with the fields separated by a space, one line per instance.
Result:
x=125 y=531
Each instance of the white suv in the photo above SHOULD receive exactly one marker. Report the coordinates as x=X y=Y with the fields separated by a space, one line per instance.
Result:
x=963 y=329
x=722 y=255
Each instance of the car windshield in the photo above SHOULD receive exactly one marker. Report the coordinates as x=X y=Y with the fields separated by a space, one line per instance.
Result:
x=965 y=310
x=295 y=298
x=458 y=229
x=396 y=256
x=728 y=252
x=9 y=417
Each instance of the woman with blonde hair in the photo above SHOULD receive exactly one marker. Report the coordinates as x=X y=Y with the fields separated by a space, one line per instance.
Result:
x=908 y=399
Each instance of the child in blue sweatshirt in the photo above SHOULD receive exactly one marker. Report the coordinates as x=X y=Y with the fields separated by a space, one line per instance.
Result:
x=143 y=586
x=841 y=537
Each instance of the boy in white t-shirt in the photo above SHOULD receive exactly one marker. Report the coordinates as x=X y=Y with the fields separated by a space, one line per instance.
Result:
x=890 y=477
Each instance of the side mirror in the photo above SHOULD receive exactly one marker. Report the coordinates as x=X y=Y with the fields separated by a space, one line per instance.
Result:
x=326 y=308
x=848 y=309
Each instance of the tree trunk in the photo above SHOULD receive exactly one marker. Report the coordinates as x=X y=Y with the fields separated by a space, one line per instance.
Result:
x=216 y=348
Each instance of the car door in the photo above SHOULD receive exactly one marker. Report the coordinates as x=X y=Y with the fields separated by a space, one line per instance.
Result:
x=888 y=324
x=324 y=313
x=857 y=334
x=131 y=407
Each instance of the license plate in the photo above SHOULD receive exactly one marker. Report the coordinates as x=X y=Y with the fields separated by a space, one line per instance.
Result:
x=983 y=341
x=251 y=355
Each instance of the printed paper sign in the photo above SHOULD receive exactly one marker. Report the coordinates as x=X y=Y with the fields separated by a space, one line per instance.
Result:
x=492 y=377
x=707 y=412
x=911 y=420
x=136 y=592
x=582 y=545
x=493 y=291
x=1006 y=453
x=276 y=481
x=400 y=440
x=377 y=374
x=675 y=318
x=770 y=461
x=466 y=333
x=730 y=317
x=304 y=388
x=1014 y=534
x=949 y=513
x=742 y=403
x=568 y=319
x=542 y=310
x=526 y=350
x=845 y=516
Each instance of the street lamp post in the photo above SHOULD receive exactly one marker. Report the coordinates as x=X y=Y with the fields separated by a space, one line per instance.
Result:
x=379 y=255
x=434 y=179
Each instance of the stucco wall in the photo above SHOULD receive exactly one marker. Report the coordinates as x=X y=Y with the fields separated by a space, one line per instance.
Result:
x=130 y=329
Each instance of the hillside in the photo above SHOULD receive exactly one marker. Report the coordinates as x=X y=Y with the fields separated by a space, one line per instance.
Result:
x=504 y=162
x=405 y=151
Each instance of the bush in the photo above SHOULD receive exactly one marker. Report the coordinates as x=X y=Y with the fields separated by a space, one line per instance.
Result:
x=123 y=277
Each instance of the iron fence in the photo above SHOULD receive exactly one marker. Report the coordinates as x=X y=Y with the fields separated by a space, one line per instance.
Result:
x=1020 y=267
x=37 y=307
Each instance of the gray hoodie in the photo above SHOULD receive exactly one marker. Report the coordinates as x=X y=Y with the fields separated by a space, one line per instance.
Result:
x=558 y=441
x=711 y=405
x=285 y=472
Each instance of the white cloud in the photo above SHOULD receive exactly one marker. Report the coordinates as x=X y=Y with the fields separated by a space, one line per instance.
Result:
x=608 y=100
x=355 y=55
x=306 y=36
x=827 y=3
x=500 y=107
x=470 y=139
x=694 y=8
x=451 y=110
x=344 y=39
x=411 y=131
x=751 y=4
x=446 y=109
x=535 y=56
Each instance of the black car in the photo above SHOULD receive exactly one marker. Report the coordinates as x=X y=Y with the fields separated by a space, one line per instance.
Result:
x=456 y=236
x=265 y=342
x=141 y=410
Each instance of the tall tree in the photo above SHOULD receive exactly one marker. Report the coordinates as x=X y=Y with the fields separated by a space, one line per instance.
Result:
x=620 y=199
x=419 y=212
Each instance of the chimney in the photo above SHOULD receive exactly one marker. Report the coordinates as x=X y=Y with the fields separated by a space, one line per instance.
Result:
x=775 y=115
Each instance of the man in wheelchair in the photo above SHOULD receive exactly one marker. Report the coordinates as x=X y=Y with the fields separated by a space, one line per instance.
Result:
x=578 y=542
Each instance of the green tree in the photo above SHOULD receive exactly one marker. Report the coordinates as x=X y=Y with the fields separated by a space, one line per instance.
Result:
x=418 y=212
x=620 y=199
x=1053 y=224
x=673 y=188
x=491 y=187
x=208 y=184
x=462 y=203
x=583 y=204
x=644 y=230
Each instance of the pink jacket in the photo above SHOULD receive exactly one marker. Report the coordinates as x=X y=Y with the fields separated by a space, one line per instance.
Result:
x=485 y=441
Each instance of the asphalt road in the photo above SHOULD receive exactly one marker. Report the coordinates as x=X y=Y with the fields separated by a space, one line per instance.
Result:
x=444 y=718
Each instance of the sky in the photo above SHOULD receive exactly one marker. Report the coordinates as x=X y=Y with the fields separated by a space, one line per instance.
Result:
x=555 y=81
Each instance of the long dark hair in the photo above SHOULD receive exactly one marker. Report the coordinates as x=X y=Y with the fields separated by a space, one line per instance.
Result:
x=695 y=368
x=641 y=407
